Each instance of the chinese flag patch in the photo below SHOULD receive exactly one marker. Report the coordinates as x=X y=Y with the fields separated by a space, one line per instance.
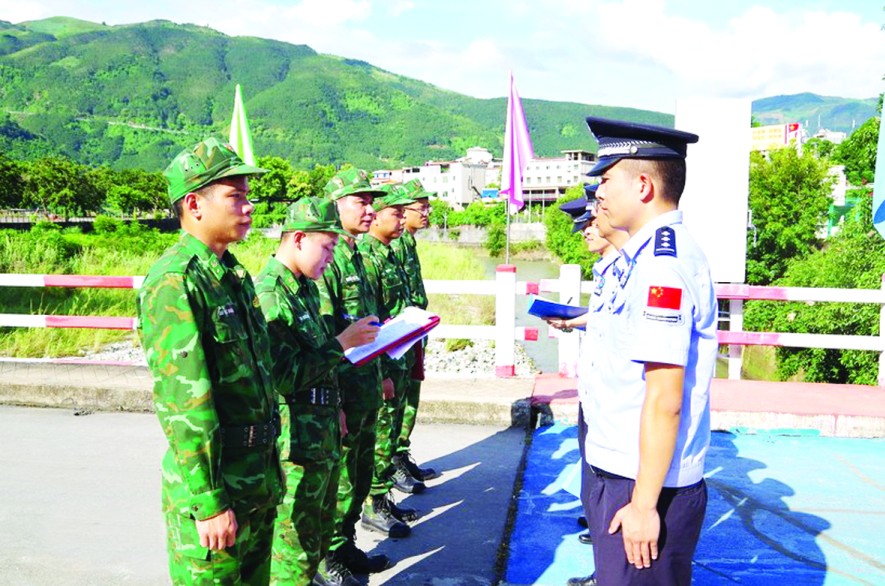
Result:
x=665 y=297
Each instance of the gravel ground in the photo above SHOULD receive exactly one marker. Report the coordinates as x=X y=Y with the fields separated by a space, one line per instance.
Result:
x=474 y=361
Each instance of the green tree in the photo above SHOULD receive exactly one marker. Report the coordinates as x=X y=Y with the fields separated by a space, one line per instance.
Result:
x=11 y=183
x=568 y=247
x=789 y=200
x=273 y=185
x=496 y=239
x=855 y=259
x=821 y=147
x=62 y=187
x=858 y=153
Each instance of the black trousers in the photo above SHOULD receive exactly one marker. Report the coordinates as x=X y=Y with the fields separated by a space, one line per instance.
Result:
x=682 y=515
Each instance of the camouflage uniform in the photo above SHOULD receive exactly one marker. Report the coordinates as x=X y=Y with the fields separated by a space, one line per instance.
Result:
x=346 y=295
x=305 y=356
x=406 y=250
x=392 y=290
x=206 y=345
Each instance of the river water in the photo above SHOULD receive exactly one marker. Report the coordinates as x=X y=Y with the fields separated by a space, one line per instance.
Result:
x=544 y=351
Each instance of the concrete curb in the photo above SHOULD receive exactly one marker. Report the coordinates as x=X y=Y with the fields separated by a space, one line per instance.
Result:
x=91 y=387
x=827 y=410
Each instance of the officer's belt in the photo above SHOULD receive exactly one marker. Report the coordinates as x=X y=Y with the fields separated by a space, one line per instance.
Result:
x=322 y=396
x=251 y=436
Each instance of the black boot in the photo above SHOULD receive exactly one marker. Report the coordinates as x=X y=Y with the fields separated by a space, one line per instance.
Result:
x=337 y=574
x=418 y=473
x=585 y=581
x=403 y=481
x=377 y=517
x=359 y=562
x=585 y=538
x=404 y=514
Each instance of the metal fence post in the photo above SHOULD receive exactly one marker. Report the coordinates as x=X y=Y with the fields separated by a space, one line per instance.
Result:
x=735 y=351
x=881 y=377
x=505 y=320
x=569 y=343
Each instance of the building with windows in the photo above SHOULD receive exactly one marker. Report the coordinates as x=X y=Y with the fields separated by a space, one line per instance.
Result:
x=547 y=178
x=463 y=181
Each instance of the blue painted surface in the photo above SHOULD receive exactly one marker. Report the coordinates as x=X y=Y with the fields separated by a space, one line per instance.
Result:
x=783 y=509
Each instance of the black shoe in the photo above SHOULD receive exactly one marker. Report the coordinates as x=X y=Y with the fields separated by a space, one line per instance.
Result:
x=586 y=581
x=404 y=514
x=418 y=473
x=585 y=538
x=359 y=562
x=337 y=574
x=403 y=481
x=582 y=521
x=377 y=517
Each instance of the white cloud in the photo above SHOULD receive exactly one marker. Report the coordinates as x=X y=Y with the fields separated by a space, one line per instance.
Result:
x=15 y=11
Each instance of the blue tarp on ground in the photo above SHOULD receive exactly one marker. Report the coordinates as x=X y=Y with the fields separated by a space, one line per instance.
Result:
x=783 y=509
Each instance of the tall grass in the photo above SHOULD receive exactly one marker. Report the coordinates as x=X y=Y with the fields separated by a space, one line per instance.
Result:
x=446 y=262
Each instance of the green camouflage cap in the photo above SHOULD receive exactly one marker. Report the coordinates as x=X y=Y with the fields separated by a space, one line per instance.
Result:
x=350 y=182
x=313 y=214
x=203 y=163
x=394 y=195
x=416 y=191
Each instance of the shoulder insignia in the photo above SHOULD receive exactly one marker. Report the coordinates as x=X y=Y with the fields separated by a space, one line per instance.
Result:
x=665 y=242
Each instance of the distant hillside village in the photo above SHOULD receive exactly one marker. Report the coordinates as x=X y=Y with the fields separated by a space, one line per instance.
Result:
x=477 y=175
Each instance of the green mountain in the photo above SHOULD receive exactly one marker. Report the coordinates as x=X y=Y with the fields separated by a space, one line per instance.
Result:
x=134 y=95
x=815 y=112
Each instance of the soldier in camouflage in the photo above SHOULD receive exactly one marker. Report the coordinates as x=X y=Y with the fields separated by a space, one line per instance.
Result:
x=417 y=217
x=306 y=355
x=346 y=296
x=391 y=288
x=207 y=348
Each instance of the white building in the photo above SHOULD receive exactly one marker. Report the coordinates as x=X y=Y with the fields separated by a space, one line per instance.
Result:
x=546 y=179
x=834 y=136
x=457 y=182
x=462 y=181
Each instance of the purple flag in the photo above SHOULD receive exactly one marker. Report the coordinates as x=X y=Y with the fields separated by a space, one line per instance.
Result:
x=517 y=151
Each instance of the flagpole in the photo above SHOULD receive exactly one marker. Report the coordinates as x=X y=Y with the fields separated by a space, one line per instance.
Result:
x=507 y=241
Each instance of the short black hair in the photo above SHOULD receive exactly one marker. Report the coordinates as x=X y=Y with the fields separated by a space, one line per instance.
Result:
x=205 y=191
x=670 y=174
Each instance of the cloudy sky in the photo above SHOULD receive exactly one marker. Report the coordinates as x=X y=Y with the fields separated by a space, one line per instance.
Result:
x=633 y=53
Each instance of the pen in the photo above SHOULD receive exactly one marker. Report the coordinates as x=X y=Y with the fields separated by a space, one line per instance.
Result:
x=353 y=318
x=569 y=300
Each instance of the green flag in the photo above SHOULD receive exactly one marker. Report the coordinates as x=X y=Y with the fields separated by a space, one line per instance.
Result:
x=240 y=135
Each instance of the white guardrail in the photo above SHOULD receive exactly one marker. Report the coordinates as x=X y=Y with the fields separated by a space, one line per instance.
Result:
x=505 y=333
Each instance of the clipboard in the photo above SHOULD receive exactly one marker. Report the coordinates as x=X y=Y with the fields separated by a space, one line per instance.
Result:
x=395 y=336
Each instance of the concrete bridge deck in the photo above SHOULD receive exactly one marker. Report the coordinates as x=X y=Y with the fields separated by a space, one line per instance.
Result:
x=79 y=496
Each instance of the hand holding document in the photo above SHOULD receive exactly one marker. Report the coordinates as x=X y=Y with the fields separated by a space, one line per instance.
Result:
x=547 y=309
x=395 y=336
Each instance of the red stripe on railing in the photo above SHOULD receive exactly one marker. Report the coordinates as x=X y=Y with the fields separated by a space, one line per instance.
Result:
x=532 y=288
x=92 y=322
x=726 y=291
x=531 y=334
x=88 y=281
x=749 y=338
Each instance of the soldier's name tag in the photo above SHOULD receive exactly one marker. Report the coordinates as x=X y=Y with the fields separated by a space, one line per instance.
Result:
x=304 y=317
x=226 y=310
x=351 y=279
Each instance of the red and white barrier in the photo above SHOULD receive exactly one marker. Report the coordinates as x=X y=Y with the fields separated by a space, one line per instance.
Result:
x=14 y=320
x=74 y=281
x=505 y=287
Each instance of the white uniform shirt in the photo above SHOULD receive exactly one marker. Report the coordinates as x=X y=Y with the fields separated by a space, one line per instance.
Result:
x=664 y=311
x=605 y=284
